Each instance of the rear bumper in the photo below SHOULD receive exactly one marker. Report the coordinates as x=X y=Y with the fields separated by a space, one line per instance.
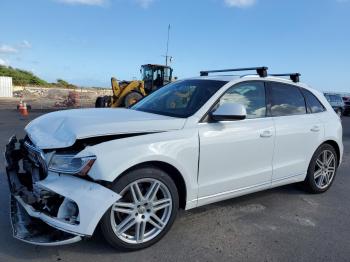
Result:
x=59 y=209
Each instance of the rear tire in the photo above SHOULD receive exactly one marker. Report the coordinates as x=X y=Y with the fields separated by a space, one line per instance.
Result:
x=99 y=102
x=322 y=169
x=103 y=101
x=138 y=220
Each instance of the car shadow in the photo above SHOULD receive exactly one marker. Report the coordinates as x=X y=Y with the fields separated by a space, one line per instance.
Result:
x=96 y=245
x=292 y=189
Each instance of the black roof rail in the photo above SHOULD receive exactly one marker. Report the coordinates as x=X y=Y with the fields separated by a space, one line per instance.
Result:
x=295 y=77
x=261 y=71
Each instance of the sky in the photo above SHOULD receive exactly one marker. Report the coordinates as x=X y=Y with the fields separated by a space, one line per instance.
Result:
x=86 y=42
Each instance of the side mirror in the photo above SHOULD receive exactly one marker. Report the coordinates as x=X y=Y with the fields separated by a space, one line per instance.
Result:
x=229 y=112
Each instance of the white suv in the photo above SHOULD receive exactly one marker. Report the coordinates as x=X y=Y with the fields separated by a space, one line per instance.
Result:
x=191 y=143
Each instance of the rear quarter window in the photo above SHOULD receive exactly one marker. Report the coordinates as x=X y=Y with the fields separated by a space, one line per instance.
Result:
x=313 y=104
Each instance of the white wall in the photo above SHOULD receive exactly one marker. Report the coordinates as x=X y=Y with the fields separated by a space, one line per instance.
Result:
x=6 y=88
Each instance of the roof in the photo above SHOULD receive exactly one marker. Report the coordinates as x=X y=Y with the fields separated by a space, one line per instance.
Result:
x=226 y=78
x=236 y=78
x=261 y=73
x=229 y=78
x=156 y=65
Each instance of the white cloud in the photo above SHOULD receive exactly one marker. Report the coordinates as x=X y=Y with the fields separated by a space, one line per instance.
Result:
x=7 y=49
x=25 y=44
x=144 y=3
x=240 y=3
x=84 y=2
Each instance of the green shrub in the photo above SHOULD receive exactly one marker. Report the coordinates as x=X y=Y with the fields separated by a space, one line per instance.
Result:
x=22 y=77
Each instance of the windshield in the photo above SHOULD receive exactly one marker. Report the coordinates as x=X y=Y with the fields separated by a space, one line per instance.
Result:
x=167 y=75
x=147 y=73
x=150 y=73
x=179 y=99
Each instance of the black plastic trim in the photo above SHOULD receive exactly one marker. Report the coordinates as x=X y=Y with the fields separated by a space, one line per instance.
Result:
x=295 y=77
x=261 y=71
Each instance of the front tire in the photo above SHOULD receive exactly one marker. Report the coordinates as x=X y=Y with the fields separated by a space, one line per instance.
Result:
x=145 y=212
x=132 y=98
x=322 y=169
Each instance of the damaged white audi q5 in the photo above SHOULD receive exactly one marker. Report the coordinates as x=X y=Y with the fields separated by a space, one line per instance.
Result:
x=191 y=143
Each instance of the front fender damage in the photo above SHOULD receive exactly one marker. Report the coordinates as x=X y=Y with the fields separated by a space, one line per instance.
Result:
x=53 y=209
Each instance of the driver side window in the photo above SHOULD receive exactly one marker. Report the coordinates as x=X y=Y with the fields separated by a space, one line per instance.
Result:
x=251 y=95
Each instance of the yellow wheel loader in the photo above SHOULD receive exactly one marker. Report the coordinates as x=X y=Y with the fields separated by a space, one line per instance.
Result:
x=127 y=93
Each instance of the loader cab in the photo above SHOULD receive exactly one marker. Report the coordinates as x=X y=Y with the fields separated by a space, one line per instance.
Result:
x=155 y=76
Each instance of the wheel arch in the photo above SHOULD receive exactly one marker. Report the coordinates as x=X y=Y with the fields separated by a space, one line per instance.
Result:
x=172 y=171
x=336 y=147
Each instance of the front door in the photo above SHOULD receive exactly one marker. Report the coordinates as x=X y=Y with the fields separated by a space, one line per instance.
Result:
x=236 y=156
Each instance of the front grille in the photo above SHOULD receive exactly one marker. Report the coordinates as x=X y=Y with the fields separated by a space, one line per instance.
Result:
x=36 y=155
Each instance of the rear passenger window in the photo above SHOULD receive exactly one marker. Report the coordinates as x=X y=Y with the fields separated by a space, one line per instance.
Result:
x=314 y=105
x=286 y=100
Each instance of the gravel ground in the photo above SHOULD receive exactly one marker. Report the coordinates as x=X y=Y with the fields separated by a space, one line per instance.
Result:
x=282 y=224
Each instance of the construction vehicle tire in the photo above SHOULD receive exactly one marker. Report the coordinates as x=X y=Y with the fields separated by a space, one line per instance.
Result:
x=99 y=102
x=132 y=98
x=107 y=101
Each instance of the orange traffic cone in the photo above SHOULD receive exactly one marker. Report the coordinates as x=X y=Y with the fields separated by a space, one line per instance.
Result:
x=20 y=107
x=25 y=110
x=20 y=104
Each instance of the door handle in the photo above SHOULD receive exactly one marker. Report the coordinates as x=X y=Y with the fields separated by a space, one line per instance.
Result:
x=266 y=133
x=315 y=129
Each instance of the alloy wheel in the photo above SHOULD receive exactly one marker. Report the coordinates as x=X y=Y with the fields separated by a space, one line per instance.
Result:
x=324 y=169
x=142 y=212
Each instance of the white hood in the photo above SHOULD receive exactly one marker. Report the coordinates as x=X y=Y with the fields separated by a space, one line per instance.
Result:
x=61 y=129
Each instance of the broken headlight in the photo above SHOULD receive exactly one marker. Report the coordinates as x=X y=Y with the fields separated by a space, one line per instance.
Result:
x=69 y=164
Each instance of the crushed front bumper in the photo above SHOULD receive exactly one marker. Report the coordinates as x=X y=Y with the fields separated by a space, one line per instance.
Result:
x=35 y=231
x=53 y=209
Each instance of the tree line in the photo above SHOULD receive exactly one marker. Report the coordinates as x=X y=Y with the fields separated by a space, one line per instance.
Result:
x=25 y=78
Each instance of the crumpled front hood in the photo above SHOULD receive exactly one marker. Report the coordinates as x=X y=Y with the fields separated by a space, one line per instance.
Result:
x=61 y=129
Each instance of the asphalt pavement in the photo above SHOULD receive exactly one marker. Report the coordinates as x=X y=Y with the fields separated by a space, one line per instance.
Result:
x=281 y=224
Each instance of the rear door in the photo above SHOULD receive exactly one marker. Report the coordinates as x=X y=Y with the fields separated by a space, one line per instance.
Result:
x=298 y=132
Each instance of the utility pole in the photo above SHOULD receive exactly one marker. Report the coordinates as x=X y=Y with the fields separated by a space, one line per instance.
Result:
x=167 y=48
